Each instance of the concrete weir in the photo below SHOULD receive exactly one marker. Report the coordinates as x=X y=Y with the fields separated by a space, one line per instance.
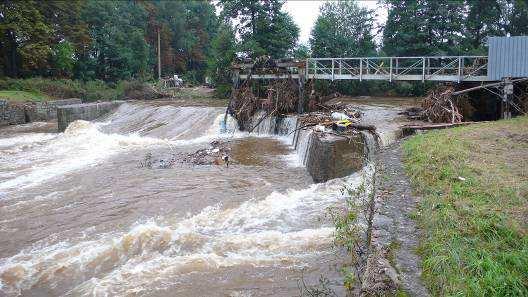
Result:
x=325 y=155
x=332 y=156
x=84 y=111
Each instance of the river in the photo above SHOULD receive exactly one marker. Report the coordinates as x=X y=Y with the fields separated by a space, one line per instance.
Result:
x=80 y=217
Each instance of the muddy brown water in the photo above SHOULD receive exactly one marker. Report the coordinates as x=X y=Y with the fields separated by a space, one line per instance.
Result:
x=79 y=217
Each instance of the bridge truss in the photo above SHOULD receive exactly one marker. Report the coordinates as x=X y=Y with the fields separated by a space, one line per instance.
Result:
x=433 y=68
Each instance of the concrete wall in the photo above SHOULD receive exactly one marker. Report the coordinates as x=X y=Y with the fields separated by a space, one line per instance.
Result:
x=15 y=113
x=89 y=111
x=326 y=156
x=47 y=110
x=333 y=156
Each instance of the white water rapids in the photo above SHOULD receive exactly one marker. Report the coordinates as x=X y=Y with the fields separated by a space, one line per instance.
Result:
x=79 y=217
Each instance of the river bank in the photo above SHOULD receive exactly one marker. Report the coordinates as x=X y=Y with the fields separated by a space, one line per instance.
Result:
x=474 y=208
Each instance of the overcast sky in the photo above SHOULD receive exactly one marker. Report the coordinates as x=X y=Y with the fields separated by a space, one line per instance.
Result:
x=305 y=13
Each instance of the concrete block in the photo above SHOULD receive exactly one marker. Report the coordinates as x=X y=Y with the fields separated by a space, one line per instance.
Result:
x=87 y=111
x=333 y=156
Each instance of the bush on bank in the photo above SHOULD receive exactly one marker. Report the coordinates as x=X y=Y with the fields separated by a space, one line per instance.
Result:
x=474 y=207
x=66 y=88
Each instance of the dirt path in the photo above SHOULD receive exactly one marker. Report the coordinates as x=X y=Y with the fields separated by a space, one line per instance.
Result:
x=393 y=229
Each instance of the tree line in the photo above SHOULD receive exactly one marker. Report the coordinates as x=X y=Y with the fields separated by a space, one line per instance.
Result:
x=117 y=40
x=412 y=28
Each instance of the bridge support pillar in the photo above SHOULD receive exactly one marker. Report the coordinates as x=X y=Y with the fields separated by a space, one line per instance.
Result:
x=301 y=81
x=507 y=92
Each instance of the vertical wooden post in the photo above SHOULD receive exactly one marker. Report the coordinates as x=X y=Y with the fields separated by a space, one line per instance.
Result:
x=507 y=90
x=300 y=105
x=159 y=55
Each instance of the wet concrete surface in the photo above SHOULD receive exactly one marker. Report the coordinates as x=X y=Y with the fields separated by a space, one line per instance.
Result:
x=392 y=226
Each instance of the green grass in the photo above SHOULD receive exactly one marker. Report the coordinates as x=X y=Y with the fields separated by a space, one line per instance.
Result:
x=37 y=89
x=23 y=96
x=474 y=209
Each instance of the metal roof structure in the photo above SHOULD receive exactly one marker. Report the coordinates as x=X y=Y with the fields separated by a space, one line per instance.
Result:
x=508 y=57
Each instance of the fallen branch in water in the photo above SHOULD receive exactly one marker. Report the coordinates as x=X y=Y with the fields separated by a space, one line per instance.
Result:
x=302 y=127
x=363 y=127
x=412 y=128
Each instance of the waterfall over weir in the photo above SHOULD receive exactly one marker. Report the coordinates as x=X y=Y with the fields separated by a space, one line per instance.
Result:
x=287 y=129
x=325 y=156
x=79 y=216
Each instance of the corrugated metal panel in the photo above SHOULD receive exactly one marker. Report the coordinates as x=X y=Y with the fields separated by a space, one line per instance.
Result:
x=507 y=57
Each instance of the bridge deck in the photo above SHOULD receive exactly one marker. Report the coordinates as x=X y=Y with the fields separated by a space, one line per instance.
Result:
x=437 y=68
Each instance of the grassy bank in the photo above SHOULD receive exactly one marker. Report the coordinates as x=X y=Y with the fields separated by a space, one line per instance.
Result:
x=38 y=89
x=23 y=96
x=474 y=210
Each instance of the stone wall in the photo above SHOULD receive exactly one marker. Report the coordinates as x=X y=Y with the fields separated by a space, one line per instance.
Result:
x=89 y=111
x=15 y=113
x=12 y=113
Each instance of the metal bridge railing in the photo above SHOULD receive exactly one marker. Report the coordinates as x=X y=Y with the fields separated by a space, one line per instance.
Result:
x=437 y=68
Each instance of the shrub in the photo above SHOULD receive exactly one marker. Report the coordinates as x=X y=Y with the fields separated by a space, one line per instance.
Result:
x=223 y=91
x=98 y=90
x=60 y=88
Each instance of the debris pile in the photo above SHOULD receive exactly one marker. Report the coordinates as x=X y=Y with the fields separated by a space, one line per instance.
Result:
x=282 y=97
x=343 y=120
x=279 y=96
x=163 y=162
x=135 y=90
x=216 y=154
x=243 y=104
x=440 y=106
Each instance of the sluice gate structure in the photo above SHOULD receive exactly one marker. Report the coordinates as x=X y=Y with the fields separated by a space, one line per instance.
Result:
x=505 y=65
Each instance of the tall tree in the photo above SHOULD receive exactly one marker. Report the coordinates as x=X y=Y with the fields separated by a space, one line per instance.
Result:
x=276 y=36
x=484 y=18
x=343 y=29
x=423 y=27
x=263 y=28
x=445 y=20
x=118 y=49
x=404 y=32
x=517 y=15
x=24 y=37
x=223 y=53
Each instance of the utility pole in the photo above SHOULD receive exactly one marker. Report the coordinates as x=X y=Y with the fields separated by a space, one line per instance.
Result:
x=159 y=55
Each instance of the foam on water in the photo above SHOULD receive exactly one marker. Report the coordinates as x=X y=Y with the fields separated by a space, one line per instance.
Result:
x=257 y=232
x=283 y=229
x=27 y=139
x=86 y=144
x=81 y=145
